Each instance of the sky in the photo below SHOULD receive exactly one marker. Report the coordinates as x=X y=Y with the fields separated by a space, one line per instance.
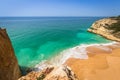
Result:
x=59 y=7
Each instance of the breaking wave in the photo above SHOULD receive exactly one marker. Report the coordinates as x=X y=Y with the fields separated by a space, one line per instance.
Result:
x=79 y=52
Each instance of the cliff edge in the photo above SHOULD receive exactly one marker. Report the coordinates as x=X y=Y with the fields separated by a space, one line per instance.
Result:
x=108 y=28
x=51 y=73
x=9 y=69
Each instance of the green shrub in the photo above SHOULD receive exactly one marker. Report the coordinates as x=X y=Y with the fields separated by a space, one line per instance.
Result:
x=41 y=77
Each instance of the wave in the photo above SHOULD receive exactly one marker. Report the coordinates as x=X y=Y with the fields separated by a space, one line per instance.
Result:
x=79 y=52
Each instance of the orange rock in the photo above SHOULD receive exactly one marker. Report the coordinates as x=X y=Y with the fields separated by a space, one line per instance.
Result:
x=103 y=28
x=9 y=69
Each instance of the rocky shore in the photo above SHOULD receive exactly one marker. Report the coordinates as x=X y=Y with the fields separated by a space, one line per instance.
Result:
x=108 y=28
x=51 y=73
x=102 y=63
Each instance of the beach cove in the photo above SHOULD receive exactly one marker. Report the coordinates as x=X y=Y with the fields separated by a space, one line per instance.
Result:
x=82 y=56
x=88 y=62
x=38 y=39
x=102 y=63
x=60 y=40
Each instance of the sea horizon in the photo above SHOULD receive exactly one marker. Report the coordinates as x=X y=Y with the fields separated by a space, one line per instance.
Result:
x=59 y=40
x=51 y=16
x=37 y=39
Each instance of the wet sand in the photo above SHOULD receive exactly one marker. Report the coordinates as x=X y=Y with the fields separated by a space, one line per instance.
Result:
x=103 y=63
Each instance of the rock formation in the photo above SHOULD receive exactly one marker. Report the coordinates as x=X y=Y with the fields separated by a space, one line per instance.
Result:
x=9 y=69
x=51 y=73
x=108 y=28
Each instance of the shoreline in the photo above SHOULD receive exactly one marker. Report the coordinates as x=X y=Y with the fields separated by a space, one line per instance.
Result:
x=105 y=36
x=103 y=63
x=78 y=52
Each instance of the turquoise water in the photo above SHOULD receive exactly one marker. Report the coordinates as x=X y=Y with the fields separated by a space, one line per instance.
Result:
x=40 y=38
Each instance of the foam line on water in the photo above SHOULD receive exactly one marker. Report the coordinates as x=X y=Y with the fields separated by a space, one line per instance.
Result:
x=75 y=52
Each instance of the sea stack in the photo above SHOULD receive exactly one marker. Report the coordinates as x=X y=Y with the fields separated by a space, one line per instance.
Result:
x=108 y=28
x=9 y=69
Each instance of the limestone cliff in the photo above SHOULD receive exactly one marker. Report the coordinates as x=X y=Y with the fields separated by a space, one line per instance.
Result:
x=9 y=69
x=51 y=73
x=108 y=28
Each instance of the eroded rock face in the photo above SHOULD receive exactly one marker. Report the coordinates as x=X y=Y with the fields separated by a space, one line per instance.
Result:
x=9 y=69
x=51 y=73
x=108 y=28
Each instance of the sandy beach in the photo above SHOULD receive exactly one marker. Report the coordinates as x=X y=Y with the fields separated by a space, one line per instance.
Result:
x=103 y=63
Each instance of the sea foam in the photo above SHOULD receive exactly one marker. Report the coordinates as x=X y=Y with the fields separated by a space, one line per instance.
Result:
x=78 y=52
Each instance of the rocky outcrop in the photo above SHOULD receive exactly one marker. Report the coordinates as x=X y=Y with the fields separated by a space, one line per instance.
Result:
x=51 y=73
x=108 y=28
x=9 y=69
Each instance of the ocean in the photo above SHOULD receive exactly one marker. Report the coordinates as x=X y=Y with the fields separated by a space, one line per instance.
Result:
x=37 y=39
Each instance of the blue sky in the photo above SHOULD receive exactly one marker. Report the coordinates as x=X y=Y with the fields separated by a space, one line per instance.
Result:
x=59 y=7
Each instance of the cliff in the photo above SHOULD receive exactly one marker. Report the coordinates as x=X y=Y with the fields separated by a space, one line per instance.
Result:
x=51 y=73
x=9 y=69
x=108 y=28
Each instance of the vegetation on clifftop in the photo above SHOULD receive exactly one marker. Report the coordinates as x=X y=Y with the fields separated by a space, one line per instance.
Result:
x=116 y=27
x=107 y=27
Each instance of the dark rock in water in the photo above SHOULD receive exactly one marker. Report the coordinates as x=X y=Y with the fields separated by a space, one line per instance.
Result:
x=9 y=69
x=25 y=70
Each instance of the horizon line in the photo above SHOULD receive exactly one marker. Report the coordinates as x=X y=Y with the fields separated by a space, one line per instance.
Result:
x=55 y=16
